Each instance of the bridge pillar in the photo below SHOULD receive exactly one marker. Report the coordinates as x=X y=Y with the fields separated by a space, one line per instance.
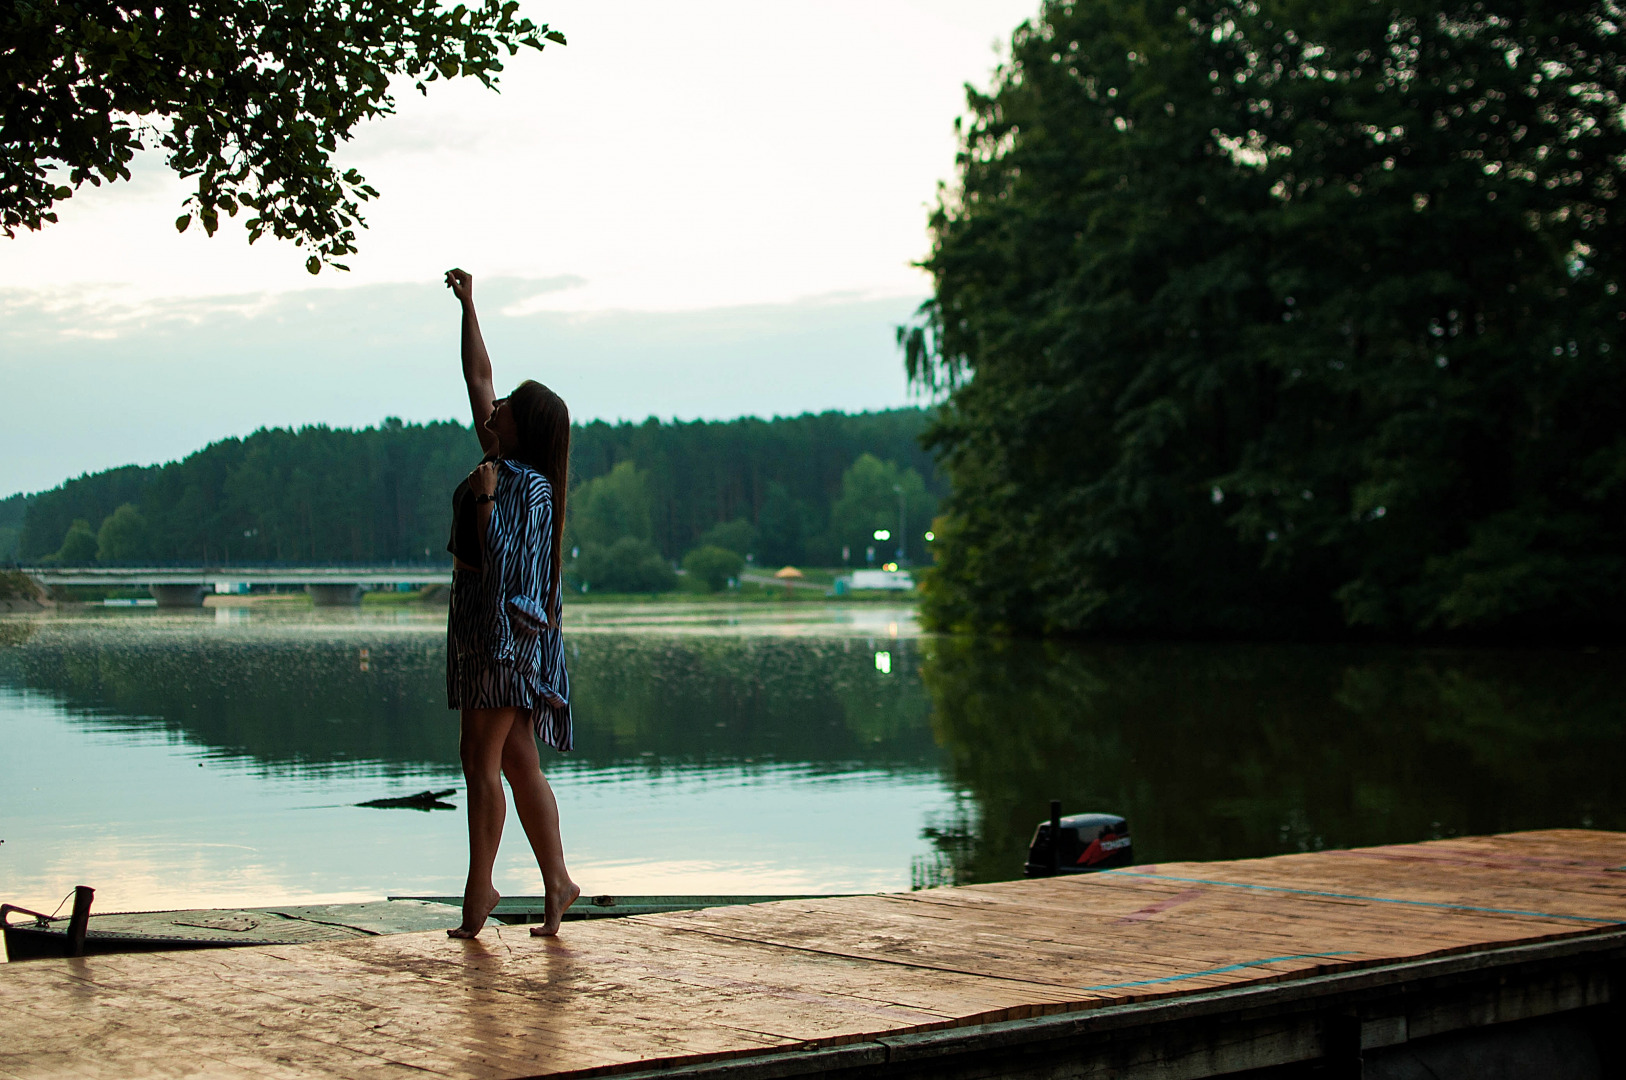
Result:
x=334 y=595
x=178 y=595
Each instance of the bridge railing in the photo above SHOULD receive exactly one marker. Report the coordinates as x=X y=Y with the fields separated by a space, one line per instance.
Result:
x=174 y=586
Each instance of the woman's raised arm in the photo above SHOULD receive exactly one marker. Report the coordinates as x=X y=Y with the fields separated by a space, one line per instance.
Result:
x=476 y=362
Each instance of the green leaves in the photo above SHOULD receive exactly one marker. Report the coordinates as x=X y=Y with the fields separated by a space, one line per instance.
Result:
x=251 y=99
x=713 y=566
x=381 y=494
x=1252 y=320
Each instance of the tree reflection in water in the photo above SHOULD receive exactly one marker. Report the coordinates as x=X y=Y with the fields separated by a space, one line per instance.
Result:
x=289 y=696
x=1231 y=751
x=1211 y=751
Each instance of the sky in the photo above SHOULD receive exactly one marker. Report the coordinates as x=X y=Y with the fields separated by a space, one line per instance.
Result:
x=693 y=211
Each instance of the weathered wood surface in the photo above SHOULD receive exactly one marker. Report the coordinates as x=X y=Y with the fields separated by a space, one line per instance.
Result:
x=656 y=989
x=141 y=931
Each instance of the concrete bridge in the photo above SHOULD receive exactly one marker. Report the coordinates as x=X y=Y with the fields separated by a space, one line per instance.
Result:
x=184 y=586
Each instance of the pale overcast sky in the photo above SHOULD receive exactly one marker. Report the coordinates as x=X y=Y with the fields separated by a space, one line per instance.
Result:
x=696 y=210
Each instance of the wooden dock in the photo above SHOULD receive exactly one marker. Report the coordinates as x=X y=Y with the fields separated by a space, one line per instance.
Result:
x=1180 y=969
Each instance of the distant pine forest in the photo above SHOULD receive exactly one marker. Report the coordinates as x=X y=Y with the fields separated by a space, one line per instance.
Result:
x=809 y=489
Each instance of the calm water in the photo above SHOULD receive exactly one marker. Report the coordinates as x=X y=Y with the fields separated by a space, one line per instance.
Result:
x=214 y=758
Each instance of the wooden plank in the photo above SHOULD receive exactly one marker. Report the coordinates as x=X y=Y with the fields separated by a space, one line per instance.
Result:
x=667 y=989
x=980 y=939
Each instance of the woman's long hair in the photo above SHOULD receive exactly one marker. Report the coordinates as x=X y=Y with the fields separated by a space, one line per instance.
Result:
x=543 y=422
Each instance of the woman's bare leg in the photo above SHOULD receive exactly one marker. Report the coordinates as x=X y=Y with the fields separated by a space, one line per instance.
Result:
x=480 y=744
x=539 y=814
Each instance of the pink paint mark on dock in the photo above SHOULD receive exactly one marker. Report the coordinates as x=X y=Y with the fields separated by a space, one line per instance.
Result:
x=1162 y=905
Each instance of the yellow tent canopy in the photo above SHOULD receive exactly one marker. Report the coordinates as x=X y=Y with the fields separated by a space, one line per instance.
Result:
x=788 y=572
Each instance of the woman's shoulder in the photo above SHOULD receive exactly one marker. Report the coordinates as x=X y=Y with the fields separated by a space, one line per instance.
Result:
x=528 y=479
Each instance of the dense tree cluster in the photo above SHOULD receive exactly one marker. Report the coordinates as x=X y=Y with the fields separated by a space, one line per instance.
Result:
x=1277 y=317
x=787 y=478
x=613 y=516
x=12 y=510
x=780 y=491
x=278 y=496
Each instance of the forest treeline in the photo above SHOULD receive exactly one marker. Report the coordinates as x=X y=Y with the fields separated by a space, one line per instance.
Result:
x=1278 y=319
x=787 y=490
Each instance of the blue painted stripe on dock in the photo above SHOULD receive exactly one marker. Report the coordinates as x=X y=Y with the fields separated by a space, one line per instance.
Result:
x=1369 y=899
x=1216 y=971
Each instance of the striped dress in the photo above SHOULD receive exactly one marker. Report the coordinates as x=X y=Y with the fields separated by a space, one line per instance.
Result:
x=503 y=650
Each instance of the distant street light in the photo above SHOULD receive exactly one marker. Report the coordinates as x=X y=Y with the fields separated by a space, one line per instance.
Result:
x=930 y=537
x=882 y=534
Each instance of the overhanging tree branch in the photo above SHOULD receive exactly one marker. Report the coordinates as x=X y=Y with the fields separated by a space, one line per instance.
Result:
x=250 y=97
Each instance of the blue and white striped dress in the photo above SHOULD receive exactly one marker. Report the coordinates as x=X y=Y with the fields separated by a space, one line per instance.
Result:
x=503 y=648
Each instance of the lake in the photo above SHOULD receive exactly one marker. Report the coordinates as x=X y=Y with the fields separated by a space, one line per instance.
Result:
x=214 y=758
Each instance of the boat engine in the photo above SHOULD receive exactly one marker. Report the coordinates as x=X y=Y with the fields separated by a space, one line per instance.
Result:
x=1086 y=842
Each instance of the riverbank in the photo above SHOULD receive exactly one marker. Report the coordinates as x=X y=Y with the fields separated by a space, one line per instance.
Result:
x=748 y=592
x=816 y=587
x=18 y=592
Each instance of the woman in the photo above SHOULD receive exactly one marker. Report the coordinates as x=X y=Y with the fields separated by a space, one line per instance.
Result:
x=505 y=666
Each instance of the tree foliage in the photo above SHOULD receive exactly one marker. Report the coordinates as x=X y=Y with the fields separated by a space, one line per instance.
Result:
x=12 y=512
x=877 y=496
x=252 y=99
x=1286 y=317
x=737 y=536
x=123 y=537
x=78 y=546
x=609 y=507
x=379 y=495
x=278 y=496
x=783 y=475
x=713 y=566
x=782 y=527
x=627 y=565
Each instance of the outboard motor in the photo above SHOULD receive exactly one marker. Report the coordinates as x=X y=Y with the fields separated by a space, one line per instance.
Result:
x=1087 y=842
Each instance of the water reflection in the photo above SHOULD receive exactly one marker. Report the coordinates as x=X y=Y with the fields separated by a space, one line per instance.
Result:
x=311 y=695
x=191 y=759
x=1224 y=751
x=758 y=749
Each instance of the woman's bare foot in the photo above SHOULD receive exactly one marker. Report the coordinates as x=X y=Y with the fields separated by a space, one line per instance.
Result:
x=474 y=916
x=553 y=915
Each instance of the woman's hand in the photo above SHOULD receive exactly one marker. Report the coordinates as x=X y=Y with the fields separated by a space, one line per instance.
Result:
x=483 y=480
x=461 y=282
